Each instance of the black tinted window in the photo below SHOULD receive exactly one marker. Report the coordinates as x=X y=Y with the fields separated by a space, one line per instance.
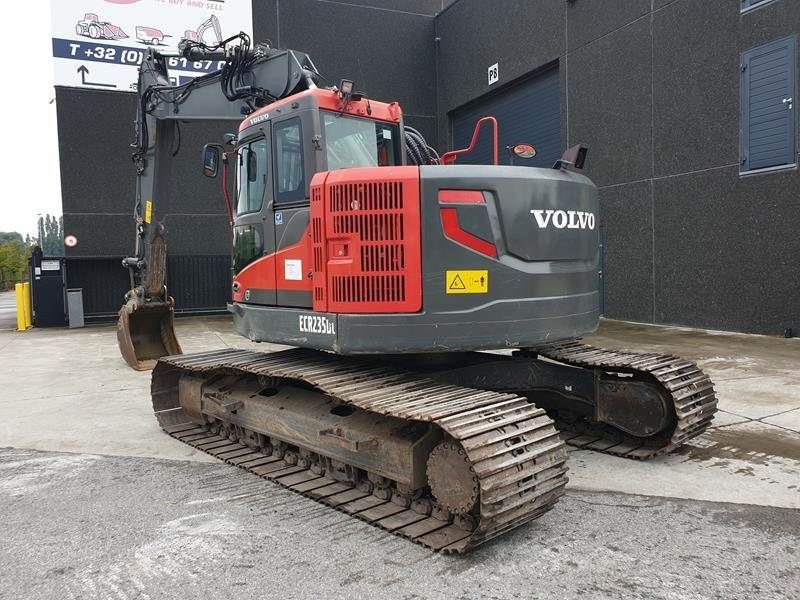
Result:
x=252 y=175
x=290 y=174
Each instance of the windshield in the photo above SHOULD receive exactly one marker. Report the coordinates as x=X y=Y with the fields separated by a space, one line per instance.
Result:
x=353 y=142
x=252 y=176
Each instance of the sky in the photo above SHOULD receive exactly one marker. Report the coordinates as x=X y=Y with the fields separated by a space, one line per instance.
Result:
x=31 y=181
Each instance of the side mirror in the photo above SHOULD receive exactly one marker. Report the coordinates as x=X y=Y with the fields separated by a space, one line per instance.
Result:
x=211 y=159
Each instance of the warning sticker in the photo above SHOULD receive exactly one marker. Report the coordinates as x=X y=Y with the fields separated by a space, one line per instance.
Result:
x=467 y=282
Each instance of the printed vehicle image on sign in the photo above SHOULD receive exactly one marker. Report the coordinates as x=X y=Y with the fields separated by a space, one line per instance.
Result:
x=101 y=44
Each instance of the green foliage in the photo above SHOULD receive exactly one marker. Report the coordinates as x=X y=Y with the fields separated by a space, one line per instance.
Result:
x=51 y=235
x=14 y=255
x=10 y=236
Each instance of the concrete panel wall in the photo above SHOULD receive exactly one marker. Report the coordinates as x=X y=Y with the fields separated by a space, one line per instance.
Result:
x=386 y=46
x=95 y=129
x=653 y=88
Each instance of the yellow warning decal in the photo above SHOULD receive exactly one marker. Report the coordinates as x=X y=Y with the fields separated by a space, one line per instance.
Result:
x=467 y=282
x=148 y=211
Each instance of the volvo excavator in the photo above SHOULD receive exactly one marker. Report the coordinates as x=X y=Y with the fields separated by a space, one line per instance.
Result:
x=435 y=310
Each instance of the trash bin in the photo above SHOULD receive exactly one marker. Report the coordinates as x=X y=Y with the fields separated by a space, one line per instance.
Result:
x=75 y=307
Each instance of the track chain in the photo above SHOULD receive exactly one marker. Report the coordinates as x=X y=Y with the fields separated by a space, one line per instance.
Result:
x=512 y=445
x=690 y=389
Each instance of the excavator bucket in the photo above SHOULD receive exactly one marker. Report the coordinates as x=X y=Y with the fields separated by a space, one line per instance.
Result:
x=146 y=332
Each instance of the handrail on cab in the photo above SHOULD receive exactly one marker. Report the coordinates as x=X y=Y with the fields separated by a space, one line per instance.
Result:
x=449 y=158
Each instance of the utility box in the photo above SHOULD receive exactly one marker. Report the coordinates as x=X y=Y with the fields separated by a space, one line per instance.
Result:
x=75 y=307
x=48 y=281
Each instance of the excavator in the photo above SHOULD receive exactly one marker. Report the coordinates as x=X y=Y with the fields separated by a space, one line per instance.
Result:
x=434 y=310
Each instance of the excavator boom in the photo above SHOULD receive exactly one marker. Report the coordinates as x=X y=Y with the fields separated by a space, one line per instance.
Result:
x=248 y=79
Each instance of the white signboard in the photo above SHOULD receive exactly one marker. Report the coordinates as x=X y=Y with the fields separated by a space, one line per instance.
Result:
x=100 y=43
x=293 y=270
x=51 y=265
x=493 y=74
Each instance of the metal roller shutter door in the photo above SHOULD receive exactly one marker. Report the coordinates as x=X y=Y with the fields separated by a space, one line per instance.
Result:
x=526 y=112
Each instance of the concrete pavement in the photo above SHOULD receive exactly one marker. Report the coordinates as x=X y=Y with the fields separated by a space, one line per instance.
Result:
x=95 y=527
x=79 y=396
x=98 y=502
x=8 y=311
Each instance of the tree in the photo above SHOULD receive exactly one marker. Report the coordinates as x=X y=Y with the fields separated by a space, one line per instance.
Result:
x=51 y=235
x=14 y=254
x=10 y=236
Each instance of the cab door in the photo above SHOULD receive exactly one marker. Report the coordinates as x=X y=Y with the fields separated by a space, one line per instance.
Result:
x=293 y=170
x=254 y=232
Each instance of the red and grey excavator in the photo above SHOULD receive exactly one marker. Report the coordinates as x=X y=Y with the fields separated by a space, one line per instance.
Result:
x=393 y=272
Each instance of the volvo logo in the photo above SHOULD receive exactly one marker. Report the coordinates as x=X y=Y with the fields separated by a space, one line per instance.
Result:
x=563 y=219
x=259 y=119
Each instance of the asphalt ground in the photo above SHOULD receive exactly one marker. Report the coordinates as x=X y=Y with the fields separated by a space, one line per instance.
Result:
x=97 y=502
x=88 y=526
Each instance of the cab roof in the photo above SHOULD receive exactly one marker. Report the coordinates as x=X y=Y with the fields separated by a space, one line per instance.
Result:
x=329 y=100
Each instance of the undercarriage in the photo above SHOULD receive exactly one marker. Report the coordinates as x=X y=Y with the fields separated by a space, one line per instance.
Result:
x=445 y=450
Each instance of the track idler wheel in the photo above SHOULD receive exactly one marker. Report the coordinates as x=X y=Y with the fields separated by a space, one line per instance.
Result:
x=452 y=479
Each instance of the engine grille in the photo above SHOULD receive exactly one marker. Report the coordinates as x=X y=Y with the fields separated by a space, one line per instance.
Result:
x=366 y=241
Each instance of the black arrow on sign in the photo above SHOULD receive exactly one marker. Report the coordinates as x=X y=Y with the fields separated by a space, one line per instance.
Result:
x=83 y=71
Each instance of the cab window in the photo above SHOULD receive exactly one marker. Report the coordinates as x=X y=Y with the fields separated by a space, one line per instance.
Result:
x=252 y=176
x=247 y=246
x=290 y=176
x=356 y=142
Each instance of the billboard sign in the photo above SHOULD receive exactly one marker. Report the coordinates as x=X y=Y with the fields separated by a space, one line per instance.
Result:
x=100 y=43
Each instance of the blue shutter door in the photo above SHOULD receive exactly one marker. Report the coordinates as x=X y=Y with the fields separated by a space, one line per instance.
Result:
x=528 y=112
x=769 y=105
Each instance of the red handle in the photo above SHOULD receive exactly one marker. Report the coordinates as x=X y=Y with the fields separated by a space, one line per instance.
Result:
x=449 y=158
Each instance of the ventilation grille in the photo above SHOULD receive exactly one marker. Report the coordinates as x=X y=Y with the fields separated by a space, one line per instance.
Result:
x=375 y=196
x=318 y=246
x=382 y=258
x=369 y=288
x=372 y=221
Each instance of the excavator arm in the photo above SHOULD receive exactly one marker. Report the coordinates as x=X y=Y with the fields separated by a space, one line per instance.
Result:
x=248 y=79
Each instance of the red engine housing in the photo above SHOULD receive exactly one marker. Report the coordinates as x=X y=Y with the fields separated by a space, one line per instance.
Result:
x=365 y=240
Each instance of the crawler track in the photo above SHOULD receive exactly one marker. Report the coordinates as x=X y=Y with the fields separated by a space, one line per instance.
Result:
x=512 y=446
x=691 y=391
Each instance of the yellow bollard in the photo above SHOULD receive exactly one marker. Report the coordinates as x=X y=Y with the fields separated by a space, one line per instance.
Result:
x=19 y=292
x=26 y=303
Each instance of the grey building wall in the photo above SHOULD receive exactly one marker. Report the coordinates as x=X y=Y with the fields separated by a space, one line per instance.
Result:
x=386 y=46
x=652 y=86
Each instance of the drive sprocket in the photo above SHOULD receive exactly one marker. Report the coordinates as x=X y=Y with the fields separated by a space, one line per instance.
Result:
x=452 y=478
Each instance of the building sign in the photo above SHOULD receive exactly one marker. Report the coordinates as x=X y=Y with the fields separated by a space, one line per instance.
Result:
x=51 y=265
x=100 y=43
x=493 y=74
